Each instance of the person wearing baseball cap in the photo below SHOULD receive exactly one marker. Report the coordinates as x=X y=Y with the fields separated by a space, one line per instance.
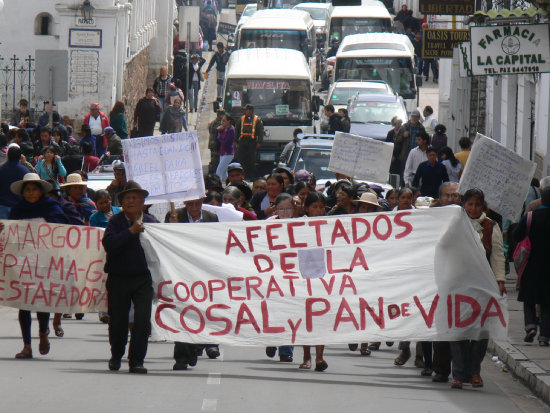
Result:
x=113 y=141
x=235 y=173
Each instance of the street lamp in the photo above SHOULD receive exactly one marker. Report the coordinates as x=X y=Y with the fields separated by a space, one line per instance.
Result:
x=87 y=10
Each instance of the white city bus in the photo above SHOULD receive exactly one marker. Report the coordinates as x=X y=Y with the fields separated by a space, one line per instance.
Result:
x=277 y=82
x=379 y=56
x=370 y=17
x=280 y=28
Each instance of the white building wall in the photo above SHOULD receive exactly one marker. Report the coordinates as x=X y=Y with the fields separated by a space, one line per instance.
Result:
x=127 y=27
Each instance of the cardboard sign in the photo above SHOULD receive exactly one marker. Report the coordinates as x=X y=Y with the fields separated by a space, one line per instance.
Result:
x=361 y=157
x=502 y=175
x=168 y=166
x=327 y=280
x=510 y=50
x=439 y=43
x=52 y=267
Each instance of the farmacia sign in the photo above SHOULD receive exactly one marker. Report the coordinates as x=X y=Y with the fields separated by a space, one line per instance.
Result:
x=514 y=49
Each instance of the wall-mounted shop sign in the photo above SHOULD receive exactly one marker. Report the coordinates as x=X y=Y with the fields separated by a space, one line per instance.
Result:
x=508 y=50
x=447 y=7
x=439 y=43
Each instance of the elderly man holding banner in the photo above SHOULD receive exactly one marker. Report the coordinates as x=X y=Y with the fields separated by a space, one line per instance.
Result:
x=129 y=279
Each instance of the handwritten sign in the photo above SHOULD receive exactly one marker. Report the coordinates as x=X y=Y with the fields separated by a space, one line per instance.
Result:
x=502 y=175
x=324 y=280
x=168 y=166
x=52 y=267
x=361 y=157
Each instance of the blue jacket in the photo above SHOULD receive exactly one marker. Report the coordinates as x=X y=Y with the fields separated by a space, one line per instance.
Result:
x=125 y=255
x=98 y=218
x=430 y=178
x=46 y=208
x=10 y=172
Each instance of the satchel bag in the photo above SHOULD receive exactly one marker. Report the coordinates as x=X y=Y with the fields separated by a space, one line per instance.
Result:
x=523 y=250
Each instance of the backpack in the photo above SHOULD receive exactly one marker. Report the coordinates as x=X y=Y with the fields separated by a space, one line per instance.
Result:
x=523 y=250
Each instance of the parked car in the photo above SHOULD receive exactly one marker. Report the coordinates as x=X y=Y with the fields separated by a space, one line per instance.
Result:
x=371 y=115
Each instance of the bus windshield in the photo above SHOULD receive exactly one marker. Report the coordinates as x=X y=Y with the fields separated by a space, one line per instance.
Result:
x=282 y=39
x=340 y=27
x=395 y=71
x=276 y=101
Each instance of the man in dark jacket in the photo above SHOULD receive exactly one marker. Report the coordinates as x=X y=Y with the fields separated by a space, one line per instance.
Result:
x=220 y=59
x=186 y=353
x=129 y=280
x=11 y=171
x=430 y=175
x=147 y=113
x=213 y=143
x=334 y=123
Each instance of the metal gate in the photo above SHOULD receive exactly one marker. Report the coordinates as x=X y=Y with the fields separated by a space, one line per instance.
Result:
x=17 y=74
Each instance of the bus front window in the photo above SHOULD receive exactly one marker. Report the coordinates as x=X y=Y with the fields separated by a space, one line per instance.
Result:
x=341 y=27
x=395 y=71
x=277 y=102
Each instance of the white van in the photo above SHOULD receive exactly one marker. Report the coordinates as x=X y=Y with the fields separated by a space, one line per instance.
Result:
x=320 y=13
x=277 y=82
x=280 y=28
x=379 y=56
x=370 y=17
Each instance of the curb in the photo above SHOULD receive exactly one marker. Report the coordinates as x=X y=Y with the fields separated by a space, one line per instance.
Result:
x=527 y=371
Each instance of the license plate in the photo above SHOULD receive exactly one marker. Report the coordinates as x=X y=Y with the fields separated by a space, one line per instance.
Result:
x=267 y=156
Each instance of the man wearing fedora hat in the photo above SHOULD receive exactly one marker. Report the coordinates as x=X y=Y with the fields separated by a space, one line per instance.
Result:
x=129 y=279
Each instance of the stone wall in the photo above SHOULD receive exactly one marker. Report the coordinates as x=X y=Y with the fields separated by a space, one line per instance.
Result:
x=135 y=82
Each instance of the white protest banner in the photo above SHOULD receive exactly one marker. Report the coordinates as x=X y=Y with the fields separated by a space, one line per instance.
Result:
x=403 y=275
x=52 y=267
x=361 y=157
x=168 y=166
x=510 y=49
x=502 y=175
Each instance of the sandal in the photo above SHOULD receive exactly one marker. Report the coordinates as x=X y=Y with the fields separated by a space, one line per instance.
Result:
x=543 y=343
x=321 y=365
x=306 y=365
x=44 y=345
x=353 y=347
x=58 y=330
x=26 y=353
x=365 y=349
x=530 y=336
x=419 y=362
x=477 y=381
x=426 y=372
x=456 y=384
x=403 y=357
x=374 y=346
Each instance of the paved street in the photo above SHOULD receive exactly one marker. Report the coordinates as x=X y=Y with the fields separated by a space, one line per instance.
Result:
x=74 y=377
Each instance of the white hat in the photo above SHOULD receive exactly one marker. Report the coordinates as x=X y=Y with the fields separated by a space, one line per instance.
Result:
x=17 y=187
x=13 y=144
x=368 y=198
x=74 y=179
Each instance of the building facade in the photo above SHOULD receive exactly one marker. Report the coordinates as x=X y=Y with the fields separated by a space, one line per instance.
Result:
x=113 y=48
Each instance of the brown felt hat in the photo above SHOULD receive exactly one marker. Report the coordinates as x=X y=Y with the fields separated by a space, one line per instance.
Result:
x=132 y=186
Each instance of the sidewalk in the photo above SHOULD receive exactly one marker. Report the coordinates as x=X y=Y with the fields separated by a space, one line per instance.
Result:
x=529 y=362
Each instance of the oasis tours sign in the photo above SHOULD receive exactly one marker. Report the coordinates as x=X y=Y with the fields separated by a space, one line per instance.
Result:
x=507 y=50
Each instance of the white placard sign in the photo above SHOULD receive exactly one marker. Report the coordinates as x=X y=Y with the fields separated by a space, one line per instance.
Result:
x=511 y=49
x=463 y=53
x=361 y=157
x=503 y=176
x=168 y=166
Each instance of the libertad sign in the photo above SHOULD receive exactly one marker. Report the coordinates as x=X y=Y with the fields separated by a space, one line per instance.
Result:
x=514 y=49
x=446 y=7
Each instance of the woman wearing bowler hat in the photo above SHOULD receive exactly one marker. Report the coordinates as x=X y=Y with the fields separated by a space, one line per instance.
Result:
x=34 y=205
